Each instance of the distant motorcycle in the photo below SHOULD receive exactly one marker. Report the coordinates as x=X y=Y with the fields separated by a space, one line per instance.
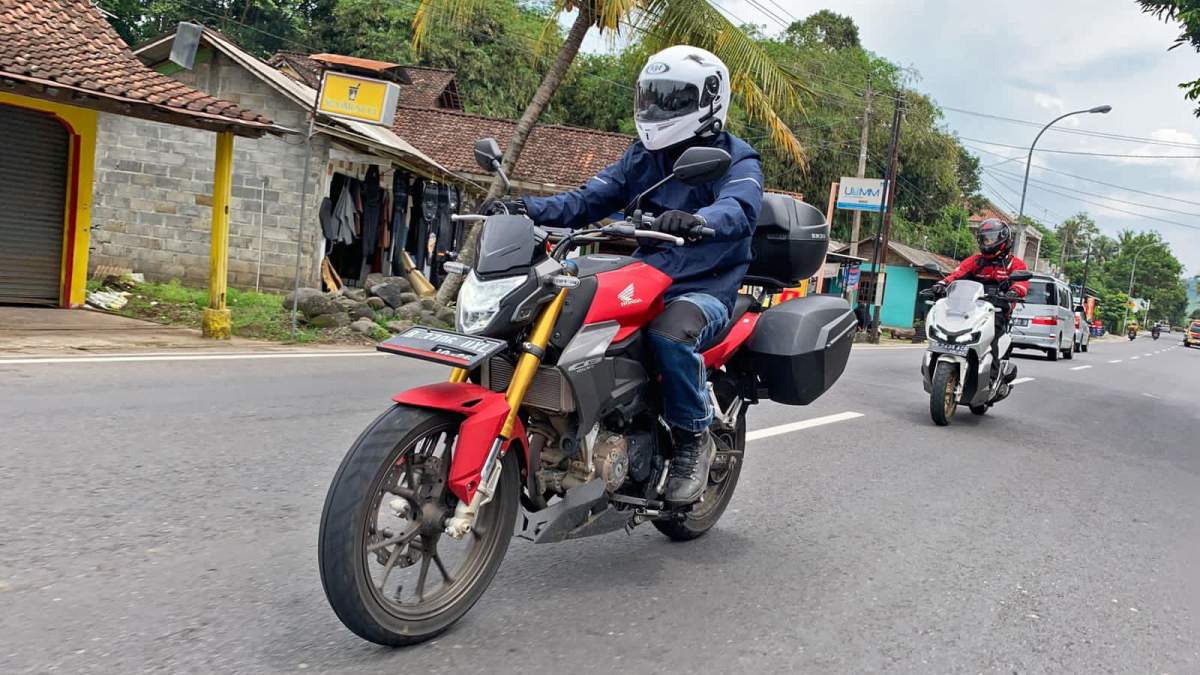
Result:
x=959 y=367
x=1154 y=332
x=1132 y=333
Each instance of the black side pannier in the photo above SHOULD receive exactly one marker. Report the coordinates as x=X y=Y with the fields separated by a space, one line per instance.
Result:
x=800 y=348
x=789 y=243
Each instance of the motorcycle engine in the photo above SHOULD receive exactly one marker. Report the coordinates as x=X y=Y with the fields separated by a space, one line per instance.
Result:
x=614 y=457
x=611 y=459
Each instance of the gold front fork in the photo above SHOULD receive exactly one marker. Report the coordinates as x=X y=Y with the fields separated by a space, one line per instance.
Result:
x=528 y=364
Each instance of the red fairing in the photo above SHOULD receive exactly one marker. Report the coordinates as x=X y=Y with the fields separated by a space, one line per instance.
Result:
x=718 y=354
x=632 y=296
x=485 y=412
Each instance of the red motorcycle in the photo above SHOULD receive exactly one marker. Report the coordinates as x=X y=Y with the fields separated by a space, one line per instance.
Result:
x=548 y=428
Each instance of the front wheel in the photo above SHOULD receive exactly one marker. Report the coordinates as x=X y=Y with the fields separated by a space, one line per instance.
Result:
x=722 y=479
x=390 y=573
x=942 y=398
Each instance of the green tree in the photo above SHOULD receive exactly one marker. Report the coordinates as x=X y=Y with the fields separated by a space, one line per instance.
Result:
x=826 y=29
x=1187 y=14
x=260 y=26
x=759 y=84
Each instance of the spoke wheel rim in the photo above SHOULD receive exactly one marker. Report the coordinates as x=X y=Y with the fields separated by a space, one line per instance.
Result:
x=948 y=403
x=405 y=561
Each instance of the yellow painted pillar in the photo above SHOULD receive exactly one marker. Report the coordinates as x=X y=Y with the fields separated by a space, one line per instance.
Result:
x=216 y=322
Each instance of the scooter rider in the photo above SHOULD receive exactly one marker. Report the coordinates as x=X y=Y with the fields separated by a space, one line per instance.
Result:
x=992 y=265
x=683 y=97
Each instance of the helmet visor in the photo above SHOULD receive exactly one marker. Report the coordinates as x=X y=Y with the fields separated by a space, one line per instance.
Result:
x=663 y=100
x=992 y=239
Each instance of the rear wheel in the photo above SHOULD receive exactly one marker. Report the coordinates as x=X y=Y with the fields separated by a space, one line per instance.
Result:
x=389 y=572
x=1052 y=353
x=1068 y=354
x=1077 y=347
x=1083 y=347
x=722 y=479
x=942 y=399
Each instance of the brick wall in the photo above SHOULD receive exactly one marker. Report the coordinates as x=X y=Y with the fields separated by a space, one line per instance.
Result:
x=152 y=200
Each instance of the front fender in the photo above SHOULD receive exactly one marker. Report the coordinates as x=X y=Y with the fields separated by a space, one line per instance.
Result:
x=483 y=412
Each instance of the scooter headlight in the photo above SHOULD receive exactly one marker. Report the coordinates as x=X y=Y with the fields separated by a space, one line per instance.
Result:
x=479 y=301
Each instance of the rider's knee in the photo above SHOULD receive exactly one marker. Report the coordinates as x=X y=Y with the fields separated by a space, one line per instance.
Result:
x=680 y=323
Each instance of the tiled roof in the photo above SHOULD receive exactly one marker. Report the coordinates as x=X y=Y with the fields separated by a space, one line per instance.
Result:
x=68 y=44
x=429 y=88
x=915 y=256
x=554 y=156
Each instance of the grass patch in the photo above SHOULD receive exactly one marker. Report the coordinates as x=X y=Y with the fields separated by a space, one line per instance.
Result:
x=255 y=315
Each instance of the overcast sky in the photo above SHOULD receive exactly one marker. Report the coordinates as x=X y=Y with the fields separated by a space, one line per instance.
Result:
x=1034 y=60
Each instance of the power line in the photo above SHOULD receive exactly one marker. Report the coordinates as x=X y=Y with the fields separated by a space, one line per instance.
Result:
x=1053 y=214
x=1035 y=181
x=1118 y=210
x=1079 y=152
x=1085 y=178
x=1078 y=132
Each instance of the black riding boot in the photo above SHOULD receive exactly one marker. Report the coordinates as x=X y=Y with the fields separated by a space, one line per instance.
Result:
x=689 y=468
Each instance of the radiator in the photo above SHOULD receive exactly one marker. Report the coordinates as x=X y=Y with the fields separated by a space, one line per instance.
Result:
x=548 y=391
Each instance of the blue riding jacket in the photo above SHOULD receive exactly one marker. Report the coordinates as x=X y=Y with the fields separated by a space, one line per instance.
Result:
x=730 y=205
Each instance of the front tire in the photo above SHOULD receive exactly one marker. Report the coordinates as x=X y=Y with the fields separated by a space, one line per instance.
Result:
x=942 y=399
x=722 y=480
x=392 y=465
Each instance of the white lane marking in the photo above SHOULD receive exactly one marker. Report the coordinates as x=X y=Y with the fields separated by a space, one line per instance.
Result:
x=1115 y=361
x=1023 y=380
x=800 y=426
x=1134 y=358
x=1157 y=398
x=1147 y=355
x=183 y=357
x=1081 y=367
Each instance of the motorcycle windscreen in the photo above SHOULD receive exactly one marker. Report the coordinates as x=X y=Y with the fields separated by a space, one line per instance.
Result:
x=443 y=346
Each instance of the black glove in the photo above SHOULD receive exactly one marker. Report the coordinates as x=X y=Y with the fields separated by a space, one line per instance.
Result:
x=678 y=223
x=939 y=289
x=495 y=207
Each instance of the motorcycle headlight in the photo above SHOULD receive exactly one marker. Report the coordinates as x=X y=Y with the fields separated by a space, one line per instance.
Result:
x=479 y=300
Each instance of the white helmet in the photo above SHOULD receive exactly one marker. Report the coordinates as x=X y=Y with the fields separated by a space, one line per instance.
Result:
x=683 y=92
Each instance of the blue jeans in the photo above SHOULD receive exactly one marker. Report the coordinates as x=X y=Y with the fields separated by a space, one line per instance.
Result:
x=676 y=351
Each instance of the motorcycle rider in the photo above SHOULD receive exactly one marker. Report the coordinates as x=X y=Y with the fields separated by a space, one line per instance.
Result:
x=682 y=100
x=992 y=265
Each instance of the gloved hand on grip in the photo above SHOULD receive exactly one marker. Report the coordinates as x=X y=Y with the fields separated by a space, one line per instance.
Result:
x=495 y=207
x=677 y=223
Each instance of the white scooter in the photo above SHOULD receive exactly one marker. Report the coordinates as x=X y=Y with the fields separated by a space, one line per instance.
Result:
x=958 y=367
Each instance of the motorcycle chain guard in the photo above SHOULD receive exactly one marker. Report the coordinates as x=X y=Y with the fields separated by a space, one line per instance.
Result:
x=484 y=412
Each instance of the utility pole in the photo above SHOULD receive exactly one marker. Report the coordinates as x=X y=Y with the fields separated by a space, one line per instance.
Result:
x=881 y=241
x=862 y=167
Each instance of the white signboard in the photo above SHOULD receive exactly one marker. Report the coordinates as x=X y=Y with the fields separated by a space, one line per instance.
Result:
x=860 y=194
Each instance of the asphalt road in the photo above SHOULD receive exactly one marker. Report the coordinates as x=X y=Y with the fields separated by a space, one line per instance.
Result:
x=162 y=516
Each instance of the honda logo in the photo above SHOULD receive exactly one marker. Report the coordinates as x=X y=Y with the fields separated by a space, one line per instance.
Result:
x=626 y=296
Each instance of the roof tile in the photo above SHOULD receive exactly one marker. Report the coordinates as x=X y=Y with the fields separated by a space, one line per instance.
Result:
x=70 y=43
x=553 y=155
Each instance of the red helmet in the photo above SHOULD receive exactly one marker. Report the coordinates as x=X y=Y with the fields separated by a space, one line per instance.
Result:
x=994 y=237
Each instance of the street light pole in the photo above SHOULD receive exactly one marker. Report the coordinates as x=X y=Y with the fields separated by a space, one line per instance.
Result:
x=1102 y=109
x=1129 y=295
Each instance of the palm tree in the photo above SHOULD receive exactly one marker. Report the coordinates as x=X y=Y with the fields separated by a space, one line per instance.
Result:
x=759 y=84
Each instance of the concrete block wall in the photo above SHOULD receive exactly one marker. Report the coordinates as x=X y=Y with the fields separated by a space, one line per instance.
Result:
x=153 y=189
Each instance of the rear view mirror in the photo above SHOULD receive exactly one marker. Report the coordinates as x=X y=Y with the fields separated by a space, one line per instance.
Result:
x=487 y=154
x=932 y=268
x=700 y=165
x=1020 y=275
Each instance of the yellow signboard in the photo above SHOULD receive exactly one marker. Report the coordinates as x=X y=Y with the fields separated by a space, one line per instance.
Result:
x=358 y=98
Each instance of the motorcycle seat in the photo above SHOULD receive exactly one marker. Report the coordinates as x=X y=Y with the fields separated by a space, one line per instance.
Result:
x=741 y=305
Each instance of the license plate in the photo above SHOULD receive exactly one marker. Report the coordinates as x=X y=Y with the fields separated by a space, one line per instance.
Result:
x=443 y=346
x=949 y=348
x=1020 y=322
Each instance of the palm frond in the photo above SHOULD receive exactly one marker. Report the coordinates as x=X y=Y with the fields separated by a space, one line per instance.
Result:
x=759 y=109
x=607 y=15
x=456 y=12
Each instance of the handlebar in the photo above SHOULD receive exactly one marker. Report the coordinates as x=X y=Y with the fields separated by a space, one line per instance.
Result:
x=468 y=217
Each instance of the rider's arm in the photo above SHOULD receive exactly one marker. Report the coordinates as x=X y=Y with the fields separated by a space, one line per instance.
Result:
x=739 y=199
x=965 y=269
x=600 y=197
x=1020 y=288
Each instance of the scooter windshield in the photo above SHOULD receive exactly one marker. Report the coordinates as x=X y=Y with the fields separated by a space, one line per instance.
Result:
x=961 y=296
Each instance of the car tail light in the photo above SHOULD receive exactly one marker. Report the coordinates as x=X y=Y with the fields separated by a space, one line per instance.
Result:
x=1077 y=321
x=1044 y=321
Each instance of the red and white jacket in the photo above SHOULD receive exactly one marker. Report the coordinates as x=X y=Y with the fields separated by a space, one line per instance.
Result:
x=987 y=270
